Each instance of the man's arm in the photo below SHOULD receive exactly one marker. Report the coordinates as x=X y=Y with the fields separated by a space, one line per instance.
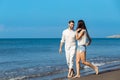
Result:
x=62 y=42
x=60 y=49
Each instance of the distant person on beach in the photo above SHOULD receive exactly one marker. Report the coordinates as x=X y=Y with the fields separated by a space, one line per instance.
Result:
x=83 y=40
x=68 y=37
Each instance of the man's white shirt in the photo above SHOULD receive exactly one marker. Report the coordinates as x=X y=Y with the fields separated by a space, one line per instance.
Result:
x=68 y=37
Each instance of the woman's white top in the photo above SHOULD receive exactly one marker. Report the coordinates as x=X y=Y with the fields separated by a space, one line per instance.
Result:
x=83 y=40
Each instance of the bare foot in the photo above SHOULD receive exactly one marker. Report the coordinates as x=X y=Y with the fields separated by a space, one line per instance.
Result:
x=96 y=70
x=69 y=76
x=77 y=76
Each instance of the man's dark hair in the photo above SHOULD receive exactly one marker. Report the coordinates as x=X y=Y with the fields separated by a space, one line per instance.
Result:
x=71 y=21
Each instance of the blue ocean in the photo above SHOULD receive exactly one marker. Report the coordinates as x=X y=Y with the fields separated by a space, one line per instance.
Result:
x=39 y=59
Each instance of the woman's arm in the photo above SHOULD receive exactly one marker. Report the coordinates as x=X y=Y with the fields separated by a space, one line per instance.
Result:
x=89 y=39
x=79 y=35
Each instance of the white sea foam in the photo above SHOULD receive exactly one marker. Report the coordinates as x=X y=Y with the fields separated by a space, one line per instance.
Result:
x=18 y=78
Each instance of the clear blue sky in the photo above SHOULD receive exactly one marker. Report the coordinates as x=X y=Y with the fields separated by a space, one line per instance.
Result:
x=48 y=18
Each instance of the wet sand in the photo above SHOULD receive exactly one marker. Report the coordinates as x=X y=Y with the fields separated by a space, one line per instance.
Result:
x=107 y=75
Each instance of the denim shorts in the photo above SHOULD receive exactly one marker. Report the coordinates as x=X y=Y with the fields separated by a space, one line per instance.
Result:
x=81 y=48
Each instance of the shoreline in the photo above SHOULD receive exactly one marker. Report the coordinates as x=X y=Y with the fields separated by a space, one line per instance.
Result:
x=104 y=75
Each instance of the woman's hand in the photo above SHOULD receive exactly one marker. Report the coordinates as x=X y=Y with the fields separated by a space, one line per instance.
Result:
x=87 y=44
x=78 y=29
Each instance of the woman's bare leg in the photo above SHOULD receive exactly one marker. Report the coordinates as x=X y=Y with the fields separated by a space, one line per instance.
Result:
x=77 y=64
x=83 y=59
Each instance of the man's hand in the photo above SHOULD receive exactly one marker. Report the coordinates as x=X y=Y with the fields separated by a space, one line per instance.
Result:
x=60 y=51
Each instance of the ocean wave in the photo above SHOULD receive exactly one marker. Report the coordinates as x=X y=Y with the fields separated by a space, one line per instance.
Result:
x=42 y=72
x=48 y=70
x=101 y=61
x=31 y=72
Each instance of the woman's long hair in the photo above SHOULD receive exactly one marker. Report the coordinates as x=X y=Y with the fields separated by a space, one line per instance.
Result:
x=81 y=24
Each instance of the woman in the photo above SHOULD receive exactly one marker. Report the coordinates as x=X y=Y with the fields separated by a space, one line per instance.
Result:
x=83 y=40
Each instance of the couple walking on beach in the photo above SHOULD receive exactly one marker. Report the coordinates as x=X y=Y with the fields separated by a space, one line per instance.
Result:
x=69 y=37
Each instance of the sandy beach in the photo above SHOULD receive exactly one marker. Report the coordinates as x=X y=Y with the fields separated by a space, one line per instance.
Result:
x=109 y=75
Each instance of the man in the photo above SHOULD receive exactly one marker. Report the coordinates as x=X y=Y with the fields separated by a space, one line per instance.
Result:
x=68 y=37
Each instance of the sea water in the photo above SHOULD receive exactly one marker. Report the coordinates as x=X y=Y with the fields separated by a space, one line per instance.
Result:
x=39 y=59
